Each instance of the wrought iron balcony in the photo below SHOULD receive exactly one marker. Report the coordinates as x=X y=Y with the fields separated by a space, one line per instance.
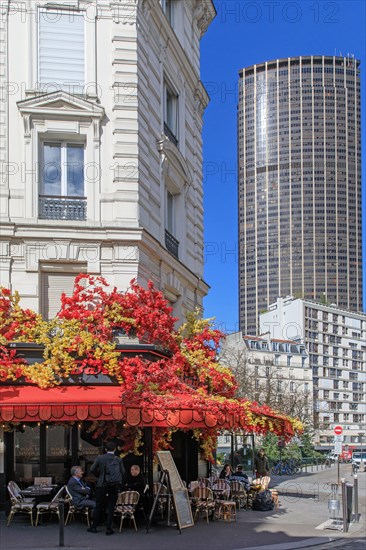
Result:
x=171 y=244
x=169 y=134
x=62 y=208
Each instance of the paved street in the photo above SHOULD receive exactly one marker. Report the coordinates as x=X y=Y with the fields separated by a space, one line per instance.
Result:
x=303 y=507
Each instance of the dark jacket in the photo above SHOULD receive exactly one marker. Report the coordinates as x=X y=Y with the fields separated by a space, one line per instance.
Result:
x=98 y=467
x=241 y=476
x=261 y=465
x=79 y=491
x=134 y=483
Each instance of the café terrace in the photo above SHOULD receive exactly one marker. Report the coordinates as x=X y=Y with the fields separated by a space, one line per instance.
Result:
x=91 y=375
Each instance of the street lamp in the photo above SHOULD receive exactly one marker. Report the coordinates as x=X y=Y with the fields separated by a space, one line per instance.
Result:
x=362 y=465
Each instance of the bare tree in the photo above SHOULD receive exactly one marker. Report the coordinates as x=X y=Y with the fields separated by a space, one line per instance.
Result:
x=260 y=380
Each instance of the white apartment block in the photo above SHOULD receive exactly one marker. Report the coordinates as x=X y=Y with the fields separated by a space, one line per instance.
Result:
x=336 y=341
x=100 y=146
x=270 y=370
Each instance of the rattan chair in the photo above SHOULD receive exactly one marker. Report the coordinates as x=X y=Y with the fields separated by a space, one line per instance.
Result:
x=203 y=501
x=221 y=489
x=238 y=493
x=263 y=481
x=84 y=510
x=126 y=506
x=17 y=493
x=51 y=507
x=19 y=506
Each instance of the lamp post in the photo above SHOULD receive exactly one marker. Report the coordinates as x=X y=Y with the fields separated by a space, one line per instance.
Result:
x=362 y=464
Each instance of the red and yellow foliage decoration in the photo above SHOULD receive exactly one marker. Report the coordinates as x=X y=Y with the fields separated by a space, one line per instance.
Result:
x=82 y=336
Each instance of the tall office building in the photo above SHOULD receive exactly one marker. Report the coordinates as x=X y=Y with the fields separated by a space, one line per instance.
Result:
x=299 y=156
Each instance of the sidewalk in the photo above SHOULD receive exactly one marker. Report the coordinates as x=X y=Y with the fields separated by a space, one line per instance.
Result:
x=303 y=507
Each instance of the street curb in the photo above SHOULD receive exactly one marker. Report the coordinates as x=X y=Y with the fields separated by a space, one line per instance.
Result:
x=306 y=543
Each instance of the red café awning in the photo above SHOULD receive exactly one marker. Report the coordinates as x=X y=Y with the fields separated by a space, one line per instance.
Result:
x=78 y=403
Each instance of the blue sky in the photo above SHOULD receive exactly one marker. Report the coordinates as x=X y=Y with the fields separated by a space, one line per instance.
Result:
x=242 y=34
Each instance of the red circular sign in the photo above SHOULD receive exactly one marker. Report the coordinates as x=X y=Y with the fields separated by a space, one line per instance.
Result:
x=338 y=430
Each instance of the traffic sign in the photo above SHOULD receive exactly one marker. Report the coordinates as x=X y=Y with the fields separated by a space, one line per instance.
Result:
x=338 y=447
x=338 y=438
x=338 y=430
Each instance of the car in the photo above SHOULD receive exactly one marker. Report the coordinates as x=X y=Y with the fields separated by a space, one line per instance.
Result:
x=356 y=459
x=332 y=456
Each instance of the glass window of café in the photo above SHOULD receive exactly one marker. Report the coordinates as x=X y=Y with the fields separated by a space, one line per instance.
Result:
x=41 y=449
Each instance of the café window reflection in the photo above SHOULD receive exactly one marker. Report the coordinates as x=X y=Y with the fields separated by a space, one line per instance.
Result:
x=26 y=451
x=58 y=452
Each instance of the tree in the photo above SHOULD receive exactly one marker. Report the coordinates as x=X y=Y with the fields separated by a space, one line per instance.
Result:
x=260 y=380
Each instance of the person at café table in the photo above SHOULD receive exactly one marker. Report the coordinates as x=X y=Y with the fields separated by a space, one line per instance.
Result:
x=240 y=475
x=134 y=480
x=226 y=472
x=79 y=490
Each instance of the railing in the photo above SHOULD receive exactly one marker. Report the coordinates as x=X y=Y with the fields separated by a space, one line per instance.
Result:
x=62 y=208
x=171 y=244
x=169 y=134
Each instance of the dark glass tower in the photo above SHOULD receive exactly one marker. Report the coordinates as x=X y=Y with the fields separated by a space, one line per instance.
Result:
x=299 y=157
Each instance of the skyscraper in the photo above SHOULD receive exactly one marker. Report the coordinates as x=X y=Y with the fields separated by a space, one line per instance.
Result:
x=299 y=156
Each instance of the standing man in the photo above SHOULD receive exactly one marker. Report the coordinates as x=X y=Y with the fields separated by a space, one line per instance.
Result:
x=109 y=470
x=261 y=464
x=79 y=490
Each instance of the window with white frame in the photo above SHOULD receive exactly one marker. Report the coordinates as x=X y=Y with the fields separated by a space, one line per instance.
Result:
x=171 y=113
x=62 y=193
x=61 y=50
x=168 y=7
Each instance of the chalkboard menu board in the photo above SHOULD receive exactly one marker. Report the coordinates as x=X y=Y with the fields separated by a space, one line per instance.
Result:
x=180 y=496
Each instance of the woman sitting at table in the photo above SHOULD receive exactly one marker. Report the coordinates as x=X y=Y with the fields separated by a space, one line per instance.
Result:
x=226 y=472
x=79 y=490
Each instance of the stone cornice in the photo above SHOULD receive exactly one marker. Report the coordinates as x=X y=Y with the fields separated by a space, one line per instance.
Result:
x=204 y=13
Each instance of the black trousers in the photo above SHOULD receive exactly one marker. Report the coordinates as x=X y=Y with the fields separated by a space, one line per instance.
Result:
x=106 y=498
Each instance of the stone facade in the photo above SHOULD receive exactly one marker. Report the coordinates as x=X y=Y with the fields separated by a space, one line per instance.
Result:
x=137 y=116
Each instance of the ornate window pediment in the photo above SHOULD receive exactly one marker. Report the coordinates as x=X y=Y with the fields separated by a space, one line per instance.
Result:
x=59 y=104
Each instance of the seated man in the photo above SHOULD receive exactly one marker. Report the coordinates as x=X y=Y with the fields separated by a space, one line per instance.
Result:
x=240 y=475
x=79 y=490
x=134 y=481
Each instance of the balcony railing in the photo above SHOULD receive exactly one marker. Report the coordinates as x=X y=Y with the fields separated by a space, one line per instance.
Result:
x=169 y=134
x=62 y=208
x=172 y=244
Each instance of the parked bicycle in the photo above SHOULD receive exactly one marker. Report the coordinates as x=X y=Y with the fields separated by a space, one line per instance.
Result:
x=286 y=467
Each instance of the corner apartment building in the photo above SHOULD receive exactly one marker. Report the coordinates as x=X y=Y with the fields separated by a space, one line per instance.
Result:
x=270 y=370
x=101 y=147
x=336 y=341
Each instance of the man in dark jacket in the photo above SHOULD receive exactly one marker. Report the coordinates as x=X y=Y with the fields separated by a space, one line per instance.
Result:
x=261 y=464
x=240 y=475
x=106 y=493
x=79 y=490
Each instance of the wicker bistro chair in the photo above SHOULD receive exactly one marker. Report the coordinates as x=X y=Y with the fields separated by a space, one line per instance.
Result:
x=16 y=491
x=19 y=506
x=263 y=481
x=126 y=506
x=203 y=501
x=221 y=489
x=74 y=510
x=51 y=507
x=238 y=493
